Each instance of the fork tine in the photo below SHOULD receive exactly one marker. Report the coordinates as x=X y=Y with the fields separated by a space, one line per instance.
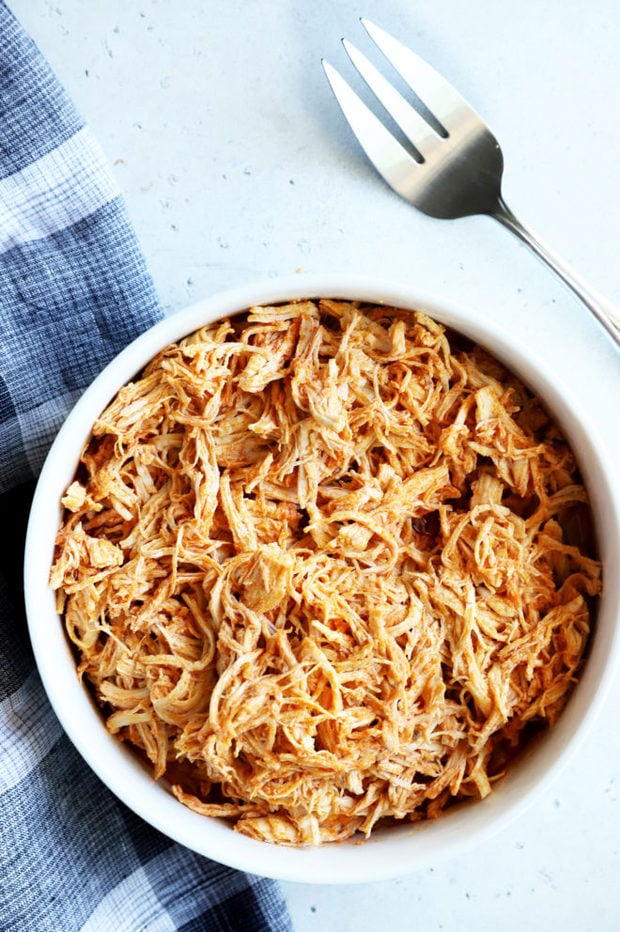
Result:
x=437 y=94
x=391 y=160
x=419 y=133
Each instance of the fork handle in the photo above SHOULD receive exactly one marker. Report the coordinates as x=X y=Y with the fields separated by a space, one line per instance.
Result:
x=606 y=312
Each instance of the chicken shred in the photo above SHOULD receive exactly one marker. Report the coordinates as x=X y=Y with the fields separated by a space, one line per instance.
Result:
x=325 y=564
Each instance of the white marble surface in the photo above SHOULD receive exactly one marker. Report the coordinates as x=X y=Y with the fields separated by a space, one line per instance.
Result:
x=236 y=165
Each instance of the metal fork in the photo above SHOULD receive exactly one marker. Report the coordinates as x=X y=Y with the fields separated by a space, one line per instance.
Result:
x=455 y=169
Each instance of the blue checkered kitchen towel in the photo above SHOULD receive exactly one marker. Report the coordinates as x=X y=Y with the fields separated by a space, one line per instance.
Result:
x=73 y=291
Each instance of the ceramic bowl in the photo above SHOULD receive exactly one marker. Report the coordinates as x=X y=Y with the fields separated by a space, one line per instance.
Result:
x=391 y=851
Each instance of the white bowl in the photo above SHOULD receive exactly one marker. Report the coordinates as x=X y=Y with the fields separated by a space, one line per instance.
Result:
x=395 y=850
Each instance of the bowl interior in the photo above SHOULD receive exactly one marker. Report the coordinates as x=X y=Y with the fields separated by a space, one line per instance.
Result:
x=391 y=851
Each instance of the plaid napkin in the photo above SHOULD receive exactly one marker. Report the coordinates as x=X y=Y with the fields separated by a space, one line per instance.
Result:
x=73 y=291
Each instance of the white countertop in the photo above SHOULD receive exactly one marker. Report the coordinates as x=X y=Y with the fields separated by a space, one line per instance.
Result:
x=236 y=165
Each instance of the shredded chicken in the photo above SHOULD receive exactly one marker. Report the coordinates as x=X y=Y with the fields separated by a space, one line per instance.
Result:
x=325 y=564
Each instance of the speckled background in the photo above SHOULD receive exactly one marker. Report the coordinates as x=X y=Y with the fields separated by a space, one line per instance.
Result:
x=236 y=165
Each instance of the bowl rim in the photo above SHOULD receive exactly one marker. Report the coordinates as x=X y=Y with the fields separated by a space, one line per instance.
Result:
x=392 y=852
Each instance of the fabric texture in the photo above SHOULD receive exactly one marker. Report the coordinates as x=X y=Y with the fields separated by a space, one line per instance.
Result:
x=74 y=289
